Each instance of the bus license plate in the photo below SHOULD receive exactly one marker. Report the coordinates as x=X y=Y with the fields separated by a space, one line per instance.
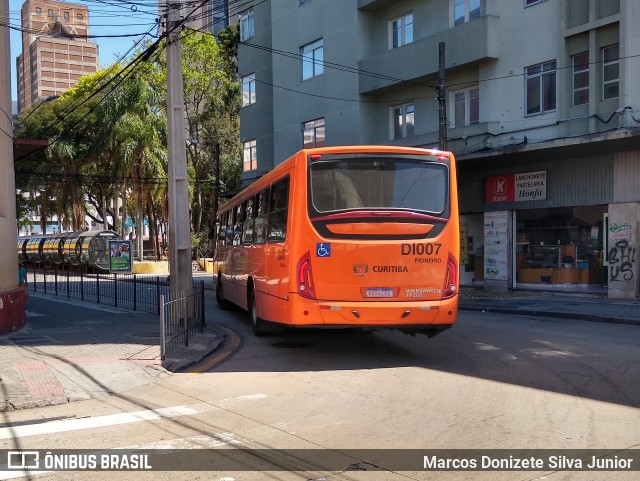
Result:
x=378 y=292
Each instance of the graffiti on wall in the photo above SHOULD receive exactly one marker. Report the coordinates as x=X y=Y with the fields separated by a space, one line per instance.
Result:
x=622 y=256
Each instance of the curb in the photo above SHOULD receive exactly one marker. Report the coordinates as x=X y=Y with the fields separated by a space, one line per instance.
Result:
x=555 y=314
x=200 y=346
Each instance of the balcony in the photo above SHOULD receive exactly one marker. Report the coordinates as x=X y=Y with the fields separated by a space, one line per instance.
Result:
x=373 y=5
x=467 y=44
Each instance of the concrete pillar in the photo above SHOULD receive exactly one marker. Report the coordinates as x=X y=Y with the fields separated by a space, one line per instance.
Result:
x=629 y=66
x=623 y=250
x=12 y=307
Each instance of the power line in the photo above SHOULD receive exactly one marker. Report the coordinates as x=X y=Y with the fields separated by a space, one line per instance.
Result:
x=143 y=56
x=79 y=102
x=36 y=32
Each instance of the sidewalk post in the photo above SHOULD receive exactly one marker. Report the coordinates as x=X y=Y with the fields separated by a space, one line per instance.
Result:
x=202 y=323
x=162 y=329
x=158 y=292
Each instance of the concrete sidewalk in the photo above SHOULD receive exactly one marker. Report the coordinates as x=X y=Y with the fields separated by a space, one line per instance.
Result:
x=71 y=351
x=561 y=305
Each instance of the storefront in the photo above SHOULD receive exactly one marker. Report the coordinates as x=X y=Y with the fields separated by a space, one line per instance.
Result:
x=538 y=229
x=560 y=246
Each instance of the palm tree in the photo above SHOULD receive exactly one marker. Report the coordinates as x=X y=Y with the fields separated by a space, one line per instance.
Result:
x=136 y=140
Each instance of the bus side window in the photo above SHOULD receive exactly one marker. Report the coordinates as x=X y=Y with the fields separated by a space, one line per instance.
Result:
x=278 y=211
x=262 y=211
x=230 y=223
x=247 y=228
x=237 y=226
x=222 y=230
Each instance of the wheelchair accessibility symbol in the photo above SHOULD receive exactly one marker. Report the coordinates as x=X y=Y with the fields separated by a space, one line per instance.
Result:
x=323 y=250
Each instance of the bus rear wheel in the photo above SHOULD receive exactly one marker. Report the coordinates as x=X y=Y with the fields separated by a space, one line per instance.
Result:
x=223 y=304
x=257 y=324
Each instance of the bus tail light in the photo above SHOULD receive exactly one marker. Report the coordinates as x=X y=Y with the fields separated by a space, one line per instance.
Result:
x=305 y=277
x=450 y=288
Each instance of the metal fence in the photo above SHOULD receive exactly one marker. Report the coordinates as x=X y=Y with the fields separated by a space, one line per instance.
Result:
x=181 y=317
x=129 y=291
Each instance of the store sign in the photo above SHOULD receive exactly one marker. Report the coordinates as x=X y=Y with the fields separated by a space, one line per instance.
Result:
x=516 y=187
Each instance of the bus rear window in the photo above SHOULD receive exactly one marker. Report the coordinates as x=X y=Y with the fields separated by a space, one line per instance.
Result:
x=378 y=183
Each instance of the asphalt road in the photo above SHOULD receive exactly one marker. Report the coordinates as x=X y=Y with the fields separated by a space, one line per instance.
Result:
x=491 y=382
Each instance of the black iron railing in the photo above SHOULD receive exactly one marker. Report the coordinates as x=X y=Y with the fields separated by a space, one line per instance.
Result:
x=181 y=317
x=129 y=291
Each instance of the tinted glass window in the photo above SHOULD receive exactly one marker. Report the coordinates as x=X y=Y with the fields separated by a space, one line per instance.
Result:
x=237 y=226
x=262 y=213
x=379 y=183
x=222 y=230
x=247 y=228
x=278 y=210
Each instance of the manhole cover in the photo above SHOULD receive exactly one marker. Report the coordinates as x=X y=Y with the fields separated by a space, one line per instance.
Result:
x=292 y=344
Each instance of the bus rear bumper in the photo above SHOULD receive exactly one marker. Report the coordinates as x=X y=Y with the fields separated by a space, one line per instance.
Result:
x=375 y=314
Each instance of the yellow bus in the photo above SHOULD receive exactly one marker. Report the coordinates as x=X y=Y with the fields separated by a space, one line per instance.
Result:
x=352 y=236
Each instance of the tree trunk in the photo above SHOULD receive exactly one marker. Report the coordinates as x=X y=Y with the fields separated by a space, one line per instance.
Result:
x=153 y=231
x=116 y=221
x=124 y=207
x=43 y=219
x=197 y=215
x=139 y=226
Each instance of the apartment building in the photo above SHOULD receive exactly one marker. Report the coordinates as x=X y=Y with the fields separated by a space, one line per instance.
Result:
x=542 y=107
x=56 y=51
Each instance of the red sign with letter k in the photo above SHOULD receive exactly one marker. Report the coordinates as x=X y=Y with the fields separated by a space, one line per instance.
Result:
x=499 y=188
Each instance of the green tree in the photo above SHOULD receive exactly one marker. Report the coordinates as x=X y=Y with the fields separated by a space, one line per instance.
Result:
x=212 y=105
x=108 y=138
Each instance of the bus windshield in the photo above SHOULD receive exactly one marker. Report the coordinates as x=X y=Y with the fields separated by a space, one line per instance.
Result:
x=379 y=183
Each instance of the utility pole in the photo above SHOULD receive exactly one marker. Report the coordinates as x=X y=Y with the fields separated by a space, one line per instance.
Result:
x=179 y=231
x=442 y=100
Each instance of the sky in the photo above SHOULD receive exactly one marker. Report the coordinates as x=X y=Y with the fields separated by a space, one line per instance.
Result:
x=106 y=17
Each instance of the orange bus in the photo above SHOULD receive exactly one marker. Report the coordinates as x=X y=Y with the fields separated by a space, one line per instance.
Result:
x=357 y=236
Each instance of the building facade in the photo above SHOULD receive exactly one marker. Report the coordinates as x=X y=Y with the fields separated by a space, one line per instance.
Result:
x=56 y=51
x=542 y=113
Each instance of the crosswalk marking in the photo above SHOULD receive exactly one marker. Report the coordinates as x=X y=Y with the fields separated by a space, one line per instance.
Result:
x=65 y=425
x=94 y=422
